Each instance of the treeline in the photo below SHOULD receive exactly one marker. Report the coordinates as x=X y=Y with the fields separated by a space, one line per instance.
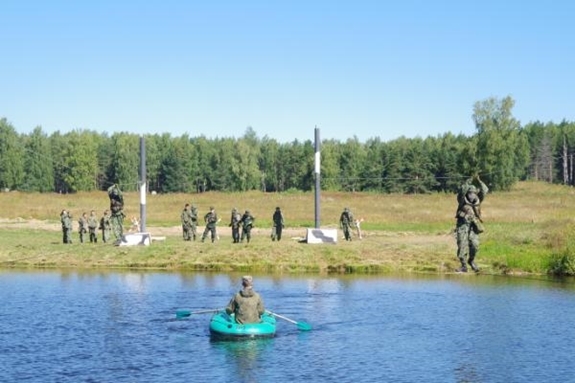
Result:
x=501 y=151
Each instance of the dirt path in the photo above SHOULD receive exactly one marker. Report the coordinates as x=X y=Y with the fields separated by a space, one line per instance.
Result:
x=224 y=231
x=34 y=224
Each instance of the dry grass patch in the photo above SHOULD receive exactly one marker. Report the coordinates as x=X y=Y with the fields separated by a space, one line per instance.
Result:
x=524 y=228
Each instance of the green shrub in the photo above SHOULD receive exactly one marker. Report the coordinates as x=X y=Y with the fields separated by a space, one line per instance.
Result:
x=561 y=264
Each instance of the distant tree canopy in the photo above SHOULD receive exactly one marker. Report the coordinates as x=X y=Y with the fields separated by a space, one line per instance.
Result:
x=501 y=152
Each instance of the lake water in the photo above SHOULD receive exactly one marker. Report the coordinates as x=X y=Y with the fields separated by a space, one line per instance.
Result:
x=121 y=327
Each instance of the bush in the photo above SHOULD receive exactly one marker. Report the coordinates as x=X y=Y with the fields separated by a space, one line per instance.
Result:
x=562 y=264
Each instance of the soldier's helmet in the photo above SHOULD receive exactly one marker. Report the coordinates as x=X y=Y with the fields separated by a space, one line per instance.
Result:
x=234 y=210
x=247 y=212
x=346 y=209
x=278 y=208
x=472 y=189
x=471 y=194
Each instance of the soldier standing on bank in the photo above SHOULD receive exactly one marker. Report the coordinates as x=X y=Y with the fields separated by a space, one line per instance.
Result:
x=345 y=223
x=194 y=218
x=278 y=221
x=235 y=221
x=211 y=219
x=106 y=226
x=186 y=219
x=82 y=226
x=247 y=224
x=93 y=226
x=66 y=220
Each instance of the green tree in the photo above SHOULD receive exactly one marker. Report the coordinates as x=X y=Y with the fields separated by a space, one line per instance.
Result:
x=502 y=150
x=393 y=156
x=245 y=168
x=352 y=162
x=296 y=165
x=445 y=154
x=153 y=162
x=224 y=165
x=329 y=161
x=11 y=157
x=79 y=161
x=125 y=161
x=39 y=174
x=418 y=171
x=105 y=156
x=269 y=164
x=372 y=173
x=205 y=177
x=174 y=177
x=566 y=149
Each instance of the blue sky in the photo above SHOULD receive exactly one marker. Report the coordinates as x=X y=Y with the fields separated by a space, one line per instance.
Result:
x=352 y=68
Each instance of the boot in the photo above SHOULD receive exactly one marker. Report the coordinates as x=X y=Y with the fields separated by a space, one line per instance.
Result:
x=473 y=266
x=462 y=269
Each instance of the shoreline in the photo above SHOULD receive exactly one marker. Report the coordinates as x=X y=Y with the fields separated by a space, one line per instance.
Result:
x=37 y=244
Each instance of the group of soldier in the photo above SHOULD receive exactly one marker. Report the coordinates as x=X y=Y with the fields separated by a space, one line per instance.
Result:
x=468 y=222
x=87 y=226
x=241 y=224
x=112 y=220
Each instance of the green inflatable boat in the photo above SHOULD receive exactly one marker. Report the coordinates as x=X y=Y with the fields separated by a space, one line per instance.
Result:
x=224 y=326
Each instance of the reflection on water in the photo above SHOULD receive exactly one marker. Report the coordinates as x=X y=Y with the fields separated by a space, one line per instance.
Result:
x=121 y=327
x=244 y=357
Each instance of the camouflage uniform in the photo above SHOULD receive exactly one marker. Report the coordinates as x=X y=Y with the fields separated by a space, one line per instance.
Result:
x=66 y=220
x=345 y=223
x=186 y=219
x=116 y=207
x=278 y=219
x=235 y=221
x=93 y=226
x=106 y=226
x=247 y=305
x=194 y=218
x=82 y=226
x=469 y=224
x=247 y=224
x=211 y=219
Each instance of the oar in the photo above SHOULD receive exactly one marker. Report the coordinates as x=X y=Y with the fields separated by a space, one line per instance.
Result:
x=303 y=326
x=187 y=313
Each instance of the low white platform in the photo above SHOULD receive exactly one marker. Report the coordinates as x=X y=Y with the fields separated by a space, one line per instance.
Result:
x=135 y=239
x=321 y=236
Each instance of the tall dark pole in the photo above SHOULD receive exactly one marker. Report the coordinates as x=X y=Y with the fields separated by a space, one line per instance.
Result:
x=317 y=176
x=143 y=185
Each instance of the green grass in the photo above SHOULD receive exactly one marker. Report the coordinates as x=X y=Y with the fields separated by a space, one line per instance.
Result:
x=529 y=230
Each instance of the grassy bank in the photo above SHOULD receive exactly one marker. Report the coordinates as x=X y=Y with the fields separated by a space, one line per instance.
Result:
x=528 y=230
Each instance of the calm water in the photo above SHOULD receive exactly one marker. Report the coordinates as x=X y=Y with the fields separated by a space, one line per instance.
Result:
x=121 y=327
